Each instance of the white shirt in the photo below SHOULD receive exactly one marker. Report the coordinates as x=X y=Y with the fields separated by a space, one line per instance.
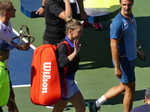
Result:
x=6 y=32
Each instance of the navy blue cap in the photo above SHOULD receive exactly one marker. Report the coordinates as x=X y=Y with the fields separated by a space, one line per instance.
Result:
x=5 y=46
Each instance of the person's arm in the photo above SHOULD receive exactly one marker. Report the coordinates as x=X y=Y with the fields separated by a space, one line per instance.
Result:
x=138 y=45
x=115 y=57
x=67 y=12
x=140 y=51
x=83 y=14
x=40 y=11
x=15 y=44
x=12 y=107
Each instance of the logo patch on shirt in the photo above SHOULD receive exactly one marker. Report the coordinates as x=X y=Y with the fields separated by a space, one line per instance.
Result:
x=125 y=25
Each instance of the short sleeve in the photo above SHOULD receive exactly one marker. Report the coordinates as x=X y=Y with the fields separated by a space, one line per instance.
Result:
x=115 y=29
x=55 y=8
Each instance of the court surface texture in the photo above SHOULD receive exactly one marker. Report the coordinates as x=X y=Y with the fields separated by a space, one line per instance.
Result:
x=96 y=73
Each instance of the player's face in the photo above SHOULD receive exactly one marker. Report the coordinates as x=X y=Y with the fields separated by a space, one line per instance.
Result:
x=77 y=32
x=11 y=11
x=126 y=6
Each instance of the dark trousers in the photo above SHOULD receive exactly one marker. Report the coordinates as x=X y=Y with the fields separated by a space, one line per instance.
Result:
x=74 y=11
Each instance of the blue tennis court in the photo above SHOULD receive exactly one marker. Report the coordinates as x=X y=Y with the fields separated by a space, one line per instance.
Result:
x=20 y=62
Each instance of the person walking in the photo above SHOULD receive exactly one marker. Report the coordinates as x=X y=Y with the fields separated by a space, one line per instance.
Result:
x=73 y=34
x=7 y=11
x=124 y=45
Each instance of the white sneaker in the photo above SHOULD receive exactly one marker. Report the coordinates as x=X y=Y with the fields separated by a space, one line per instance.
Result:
x=66 y=108
x=50 y=106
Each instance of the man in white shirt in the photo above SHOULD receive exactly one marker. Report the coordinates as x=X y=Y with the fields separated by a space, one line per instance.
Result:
x=7 y=11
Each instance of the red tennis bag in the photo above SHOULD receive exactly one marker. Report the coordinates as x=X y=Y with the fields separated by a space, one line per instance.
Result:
x=45 y=79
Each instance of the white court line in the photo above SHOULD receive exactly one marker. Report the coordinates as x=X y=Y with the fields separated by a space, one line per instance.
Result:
x=33 y=47
x=27 y=85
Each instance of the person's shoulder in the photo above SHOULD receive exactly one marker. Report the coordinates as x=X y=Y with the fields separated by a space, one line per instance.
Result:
x=2 y=67
x=61 y=43
x=140 y=108
x=135 y=109
x=2 y=25
x=54 y=6
x=117 y=21
x=118 y=18
x=50 y=2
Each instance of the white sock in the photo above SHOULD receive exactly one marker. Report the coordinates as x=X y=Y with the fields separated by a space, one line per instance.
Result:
x=100 y=101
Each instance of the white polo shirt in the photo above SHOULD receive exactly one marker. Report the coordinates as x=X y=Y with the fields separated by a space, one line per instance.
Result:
x=6 y=32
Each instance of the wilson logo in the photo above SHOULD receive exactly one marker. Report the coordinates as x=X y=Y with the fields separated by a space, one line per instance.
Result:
x=46 y=76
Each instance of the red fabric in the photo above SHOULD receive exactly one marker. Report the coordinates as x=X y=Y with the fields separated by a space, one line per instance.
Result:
x=45 y=79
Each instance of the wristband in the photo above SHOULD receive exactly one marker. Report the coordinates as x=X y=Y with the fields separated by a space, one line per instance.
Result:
x=139 y=47
x=43 y=7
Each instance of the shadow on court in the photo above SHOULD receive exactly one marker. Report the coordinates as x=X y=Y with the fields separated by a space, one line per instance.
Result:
x=143 y=34
x=139 y=95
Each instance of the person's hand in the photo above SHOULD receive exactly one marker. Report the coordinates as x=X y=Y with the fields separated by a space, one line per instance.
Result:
x=40 y=11
x=141 y=55
x=83 y=15
x=118 y=73
x=77 y=46
x=24 y=47
x=12 y=107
